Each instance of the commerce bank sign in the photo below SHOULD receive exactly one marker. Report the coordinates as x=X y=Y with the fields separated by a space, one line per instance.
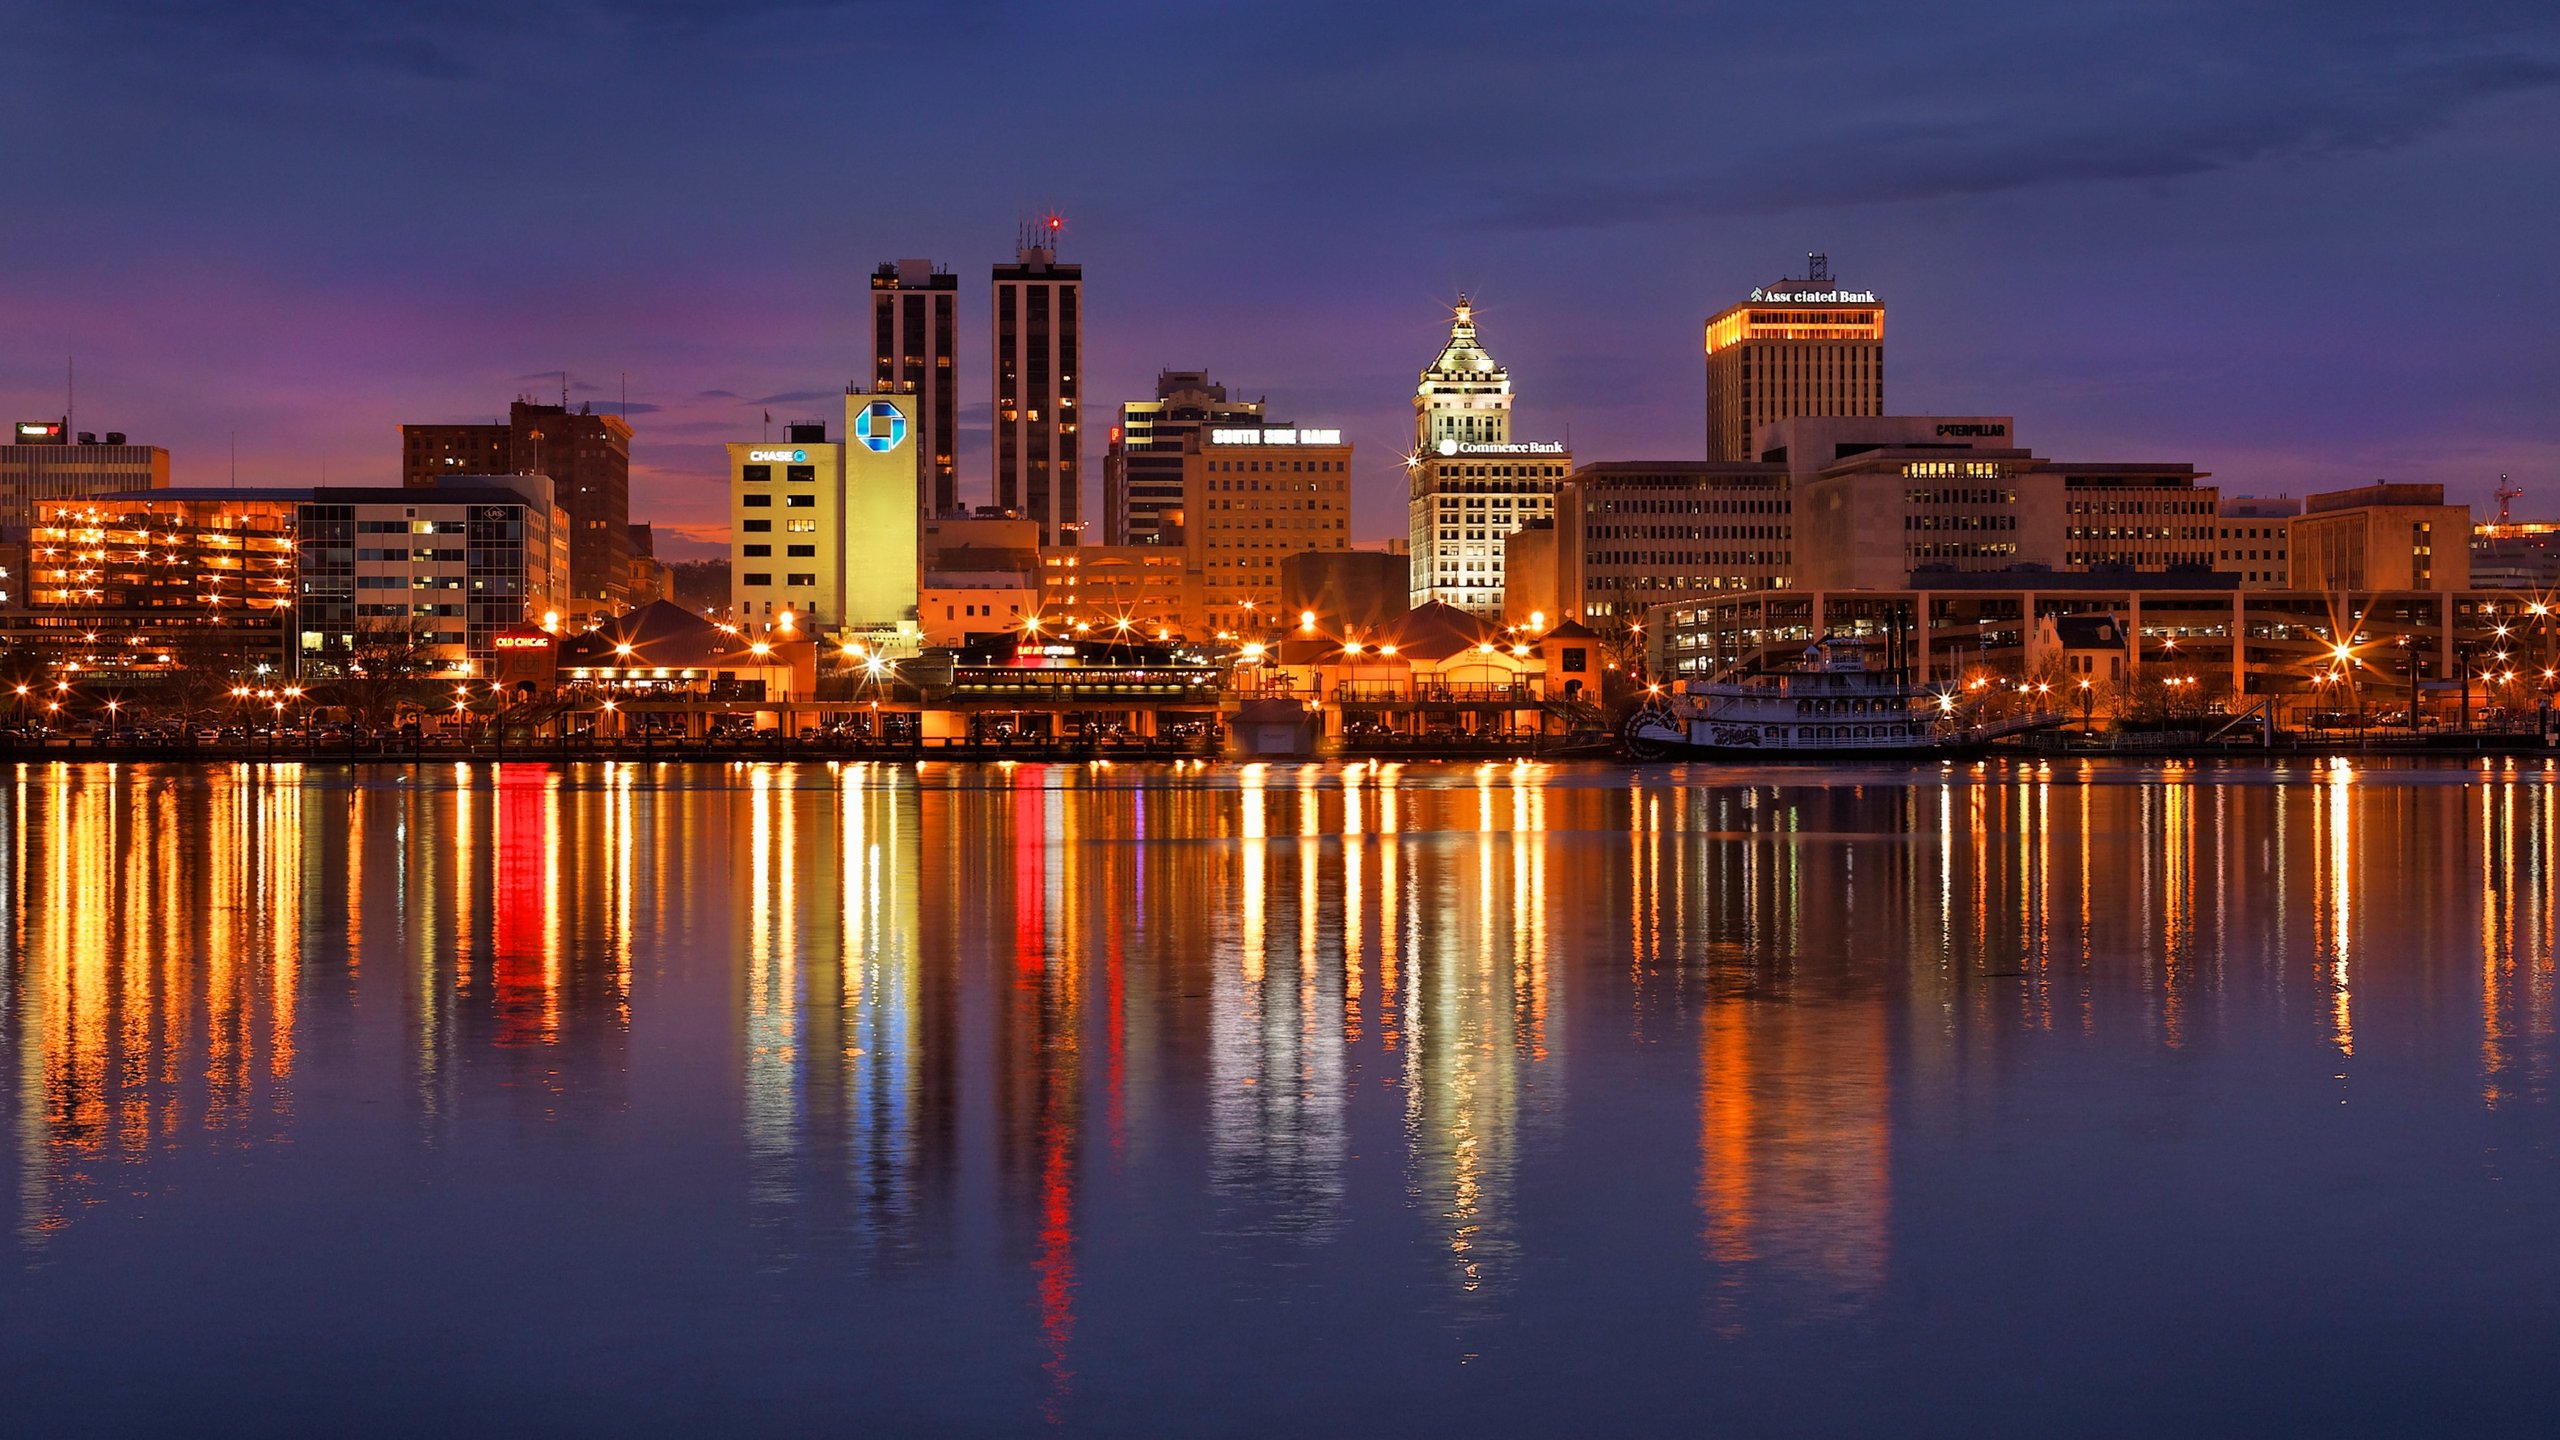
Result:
x=1521 y=447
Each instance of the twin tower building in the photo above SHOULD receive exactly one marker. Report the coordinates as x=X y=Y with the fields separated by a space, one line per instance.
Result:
x=824 y=533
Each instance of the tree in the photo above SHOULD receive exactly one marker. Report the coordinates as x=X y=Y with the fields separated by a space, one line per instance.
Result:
x=388 y=667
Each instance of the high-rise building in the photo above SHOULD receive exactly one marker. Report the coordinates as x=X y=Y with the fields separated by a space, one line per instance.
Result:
x=42 y=464
x=1142 y=470
x=587 y=456
x=1252 y=497
x=915 y=340
x=1796 y=348
x=1039 y=360
x=1469 y=483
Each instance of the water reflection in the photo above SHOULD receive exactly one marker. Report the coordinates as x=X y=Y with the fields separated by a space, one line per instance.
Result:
x=986 y=1026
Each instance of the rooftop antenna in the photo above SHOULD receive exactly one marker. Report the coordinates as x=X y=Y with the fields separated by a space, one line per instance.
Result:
x=564 y=389
x=235 y=459
x=1817 y=269
x=70 y=400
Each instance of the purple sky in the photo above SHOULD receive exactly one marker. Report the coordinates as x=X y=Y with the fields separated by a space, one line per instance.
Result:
x=2301 y=245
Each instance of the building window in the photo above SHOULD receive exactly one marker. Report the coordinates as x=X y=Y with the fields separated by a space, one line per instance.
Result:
x=756 y=474
x=759 y=526
x=758 y=551
x=799 y=579
x=800 y=474
x=757 y=577
x=797 y=502
x=796 y=527
x=800 y=551
x=759 y=502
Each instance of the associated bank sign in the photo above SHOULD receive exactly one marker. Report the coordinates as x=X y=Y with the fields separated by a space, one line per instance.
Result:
x=1813 y=297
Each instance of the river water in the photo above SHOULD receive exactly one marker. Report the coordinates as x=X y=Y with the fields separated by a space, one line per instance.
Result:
x=1423 y=1100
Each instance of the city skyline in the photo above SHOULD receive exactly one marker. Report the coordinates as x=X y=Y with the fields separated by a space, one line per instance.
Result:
x=2134 y=252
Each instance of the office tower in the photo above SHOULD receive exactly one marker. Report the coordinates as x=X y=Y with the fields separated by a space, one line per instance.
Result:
x=42 y=464
x=915 y=347
x=1038 y=357
x=587 y=456
x=824 y=534
x=1469 y=483
x=885 y=461
x=1142 y=470
x=1253 y=496
x=1796 y=348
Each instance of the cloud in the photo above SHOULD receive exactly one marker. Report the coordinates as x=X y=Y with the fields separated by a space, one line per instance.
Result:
x=2002 y=142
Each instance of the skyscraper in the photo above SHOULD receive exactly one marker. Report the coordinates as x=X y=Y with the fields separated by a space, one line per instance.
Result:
x=587 y=456
x=1142 y=469
x=1469 y=483
x=915 y=347
x=1796 y=348
x=1039 y=358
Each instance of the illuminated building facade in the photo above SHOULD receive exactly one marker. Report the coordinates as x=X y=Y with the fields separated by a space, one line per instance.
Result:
x=786 y=514
x=1637 y=534
x=2139 y=517
x=1468 y=483
x=1142 y=470
x=1141 y=589
x=2516 y=554
x=44 y=462
x=915 y=339
x=1796 y=348
x=158 y=582
x=435 y=574
x=588 y=458
x=2381 y=537
x=824 y=535
x=2450 y=654
x=1039 y=367
x=1253 y=496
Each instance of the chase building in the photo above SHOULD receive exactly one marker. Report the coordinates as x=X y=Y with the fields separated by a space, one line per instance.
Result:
x=1469 y=483
x=823 y=534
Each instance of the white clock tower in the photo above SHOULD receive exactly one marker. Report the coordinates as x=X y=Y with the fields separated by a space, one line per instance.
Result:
x=1469 y=483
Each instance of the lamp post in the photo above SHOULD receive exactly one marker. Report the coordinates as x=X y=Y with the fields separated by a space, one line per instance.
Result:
x=2088 y=699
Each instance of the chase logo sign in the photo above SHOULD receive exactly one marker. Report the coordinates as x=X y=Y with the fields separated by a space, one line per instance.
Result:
x=881 y=427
